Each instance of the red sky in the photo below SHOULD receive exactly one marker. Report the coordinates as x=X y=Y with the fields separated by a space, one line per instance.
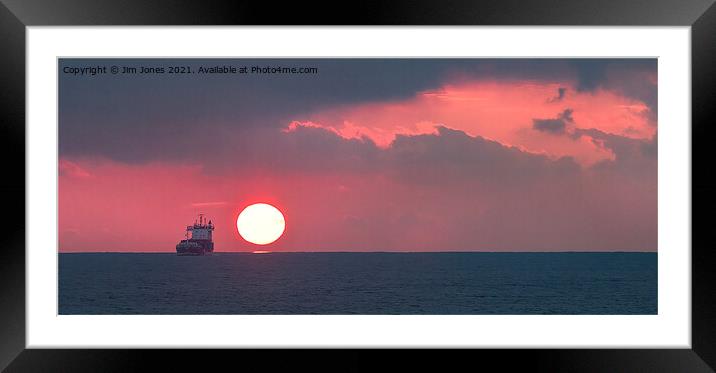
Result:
x=484 y=163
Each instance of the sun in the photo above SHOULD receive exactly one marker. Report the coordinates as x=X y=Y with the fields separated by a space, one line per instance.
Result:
x=261 y=224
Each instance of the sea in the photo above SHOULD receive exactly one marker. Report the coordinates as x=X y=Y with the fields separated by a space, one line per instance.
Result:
x=451 y=283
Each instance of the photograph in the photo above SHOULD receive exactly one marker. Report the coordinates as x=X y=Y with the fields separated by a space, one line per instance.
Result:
x=357 y=186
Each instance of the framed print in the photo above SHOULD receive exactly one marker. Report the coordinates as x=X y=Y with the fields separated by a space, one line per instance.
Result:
x=520 y=180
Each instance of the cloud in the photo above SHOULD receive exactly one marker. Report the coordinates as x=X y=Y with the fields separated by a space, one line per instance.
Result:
x=634 y=157
x=452 y=156
x=72 y=169
x=513 y=113
x=554 y=125
x=445 y=190
x=209 y=204
x=590 y=73
x=633 y=78
x=561 y=91
x=374 y=97
x=441 y=156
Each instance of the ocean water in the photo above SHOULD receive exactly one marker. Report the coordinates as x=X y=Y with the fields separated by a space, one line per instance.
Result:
x=359 y=283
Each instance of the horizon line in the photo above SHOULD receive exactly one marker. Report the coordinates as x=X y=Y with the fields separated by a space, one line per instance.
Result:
x=377 y=251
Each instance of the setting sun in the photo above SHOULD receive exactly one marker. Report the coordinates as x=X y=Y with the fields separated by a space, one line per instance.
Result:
x=261 y=224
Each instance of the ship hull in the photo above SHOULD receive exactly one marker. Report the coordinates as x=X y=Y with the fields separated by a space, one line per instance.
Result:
x=193 y=253
x=194 y=247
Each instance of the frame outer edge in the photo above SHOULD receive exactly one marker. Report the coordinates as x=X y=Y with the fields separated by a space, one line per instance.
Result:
x=12 y=131
x=703 y=101
x=12 y=102
x=367 y=12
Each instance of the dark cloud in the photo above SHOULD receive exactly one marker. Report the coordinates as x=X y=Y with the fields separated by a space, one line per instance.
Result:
x=628 y=77
x=447 y=157
x=560 y=95
x=634 y=157
x=590 y=73
x=556 y=125
x=442 y=191
x=637 y=81
x=454 y=155
x=141 y=118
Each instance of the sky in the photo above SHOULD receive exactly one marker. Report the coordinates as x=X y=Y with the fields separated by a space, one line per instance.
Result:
x=364 y=155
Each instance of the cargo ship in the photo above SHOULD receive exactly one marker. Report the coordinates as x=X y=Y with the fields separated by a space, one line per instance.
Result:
x=198 y=238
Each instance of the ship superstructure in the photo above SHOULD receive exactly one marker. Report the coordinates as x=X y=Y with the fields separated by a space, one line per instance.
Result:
x=198 y=238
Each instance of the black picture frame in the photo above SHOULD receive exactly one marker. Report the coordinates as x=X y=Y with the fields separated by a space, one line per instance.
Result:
x=16 y=15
